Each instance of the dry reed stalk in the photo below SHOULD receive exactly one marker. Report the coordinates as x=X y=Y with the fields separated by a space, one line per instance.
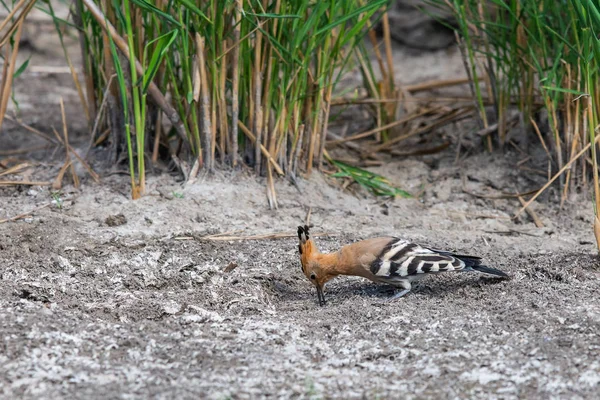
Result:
x=378 y=57
x=66 y=143
x=12 y=13
x=138 y=31
x=370 y=83
x=82 y=97
x=271 y=194
x=540 y=137
x=590 y=112
x=23 y=150
x=439 y=122
x=258 y=111
x=8 y=78
x=15 y=169
x=387 y=38
x=308 y=106
x=17 y=21
x=214 y=81
x=57 y=183
x=72 y=151
x=453 y=100
x=271 y=131
x=325 y=122
x=213 y=120
x=4 y=75
x=560 y=172
x=421 y=151
x=572 y=154
x=24 y=215
x=263 y=149
x=384 y=127
x=568 y=101
x=153 y=90
x=205 y=104
x=319 y=134
x=31 y=129
x=315 y=122
x=557 y=139
x=235 y=82
x=24 y=183
x=224 y=138
x=344 y=102
x=197 y=80
x=437 y=84
x=536 y=220
x=295 y=151
x=268 y=236
x=157 y=135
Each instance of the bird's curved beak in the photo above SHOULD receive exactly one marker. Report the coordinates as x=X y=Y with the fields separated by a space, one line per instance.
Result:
x=320 y=295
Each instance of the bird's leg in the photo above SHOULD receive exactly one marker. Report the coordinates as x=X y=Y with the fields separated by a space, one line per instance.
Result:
x=406 y=286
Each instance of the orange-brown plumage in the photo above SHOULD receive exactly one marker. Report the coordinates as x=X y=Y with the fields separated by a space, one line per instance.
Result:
x=383 y=259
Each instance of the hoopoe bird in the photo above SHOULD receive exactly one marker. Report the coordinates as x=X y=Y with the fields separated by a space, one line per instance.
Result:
x=384 y=260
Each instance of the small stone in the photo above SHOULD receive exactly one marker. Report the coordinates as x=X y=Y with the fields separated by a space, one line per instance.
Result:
x=232 y=265
x=116 y=220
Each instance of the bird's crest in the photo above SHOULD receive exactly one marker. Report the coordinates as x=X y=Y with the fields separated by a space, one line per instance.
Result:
x=306 y=246
x=304 y=237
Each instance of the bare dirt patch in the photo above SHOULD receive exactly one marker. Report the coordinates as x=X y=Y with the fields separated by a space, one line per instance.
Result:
x=145 y=308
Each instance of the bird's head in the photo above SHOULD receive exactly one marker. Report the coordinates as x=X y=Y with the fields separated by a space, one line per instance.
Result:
x=313 y=265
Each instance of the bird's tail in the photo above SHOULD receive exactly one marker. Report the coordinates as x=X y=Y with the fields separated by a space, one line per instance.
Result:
x=474 y=263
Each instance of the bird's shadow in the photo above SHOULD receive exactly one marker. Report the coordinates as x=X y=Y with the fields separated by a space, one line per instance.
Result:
x=287 y=291
x=429 y=288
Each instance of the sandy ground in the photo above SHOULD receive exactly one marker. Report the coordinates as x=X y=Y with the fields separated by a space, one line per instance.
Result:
x=105 y=297
x=98 y=305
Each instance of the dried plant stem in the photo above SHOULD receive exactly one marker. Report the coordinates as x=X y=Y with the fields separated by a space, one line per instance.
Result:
x=563 y=169
x=387 y=37
x=8 y=78
x=258 y=112
x=574 y=145
x=25 y=183
x=536 y=220
x=17 y=21
x=205 y=104
x=26 y=214
x=263 y=149
x=12 y=13
x=440 y=121
x=235 y=83
x=157 y=136
x=224 y=139
x=66 y=144
x=384 y=127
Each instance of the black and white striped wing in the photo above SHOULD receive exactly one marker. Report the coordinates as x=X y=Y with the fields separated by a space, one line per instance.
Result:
x=401 y=258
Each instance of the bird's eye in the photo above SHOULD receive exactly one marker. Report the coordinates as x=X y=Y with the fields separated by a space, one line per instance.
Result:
x=313 y=276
